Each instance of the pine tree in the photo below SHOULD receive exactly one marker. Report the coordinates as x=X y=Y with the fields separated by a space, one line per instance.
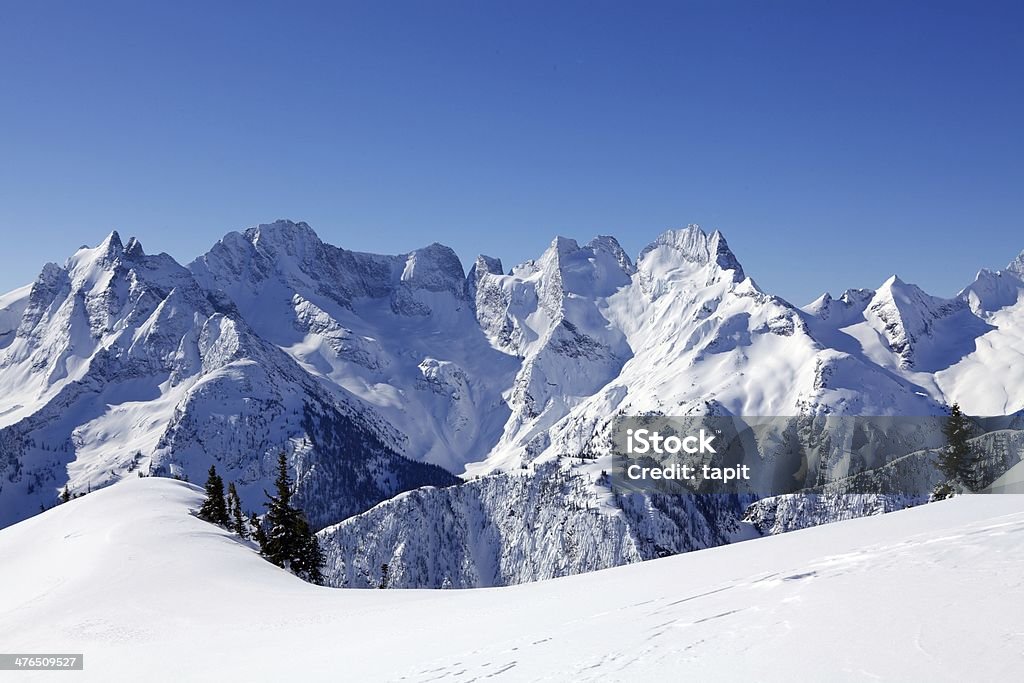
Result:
x=309 y=559
x=315 y=560
x=65 y=495
x=235 y=512
x=214 y=509
x=957 y=461
x=289 y=541
x=383 y=575
x=257 y=531
x=280 y=547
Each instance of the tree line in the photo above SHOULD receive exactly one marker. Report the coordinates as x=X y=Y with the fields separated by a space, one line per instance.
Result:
x=283 y=534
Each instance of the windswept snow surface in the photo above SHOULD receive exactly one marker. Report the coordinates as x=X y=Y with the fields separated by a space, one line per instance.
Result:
x=146 y=591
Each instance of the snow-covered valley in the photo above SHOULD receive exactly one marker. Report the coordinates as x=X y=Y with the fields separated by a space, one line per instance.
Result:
x=146 y=591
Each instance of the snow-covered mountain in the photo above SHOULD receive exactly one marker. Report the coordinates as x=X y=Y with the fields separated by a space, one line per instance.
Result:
x=397 y=332
x=694 y=335
x=882 y=598
x=381 y=374
x=122 y=363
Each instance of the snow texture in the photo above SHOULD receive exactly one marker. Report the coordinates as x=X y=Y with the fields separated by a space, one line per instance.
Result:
x=146 y=591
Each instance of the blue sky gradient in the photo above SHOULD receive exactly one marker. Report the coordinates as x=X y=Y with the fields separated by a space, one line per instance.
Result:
x=832 y=143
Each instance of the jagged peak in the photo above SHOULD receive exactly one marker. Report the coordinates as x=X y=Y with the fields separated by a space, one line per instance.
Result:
x=1017 y=265
x=563 y=245
x=45 y=286
x=102 y=256
x=819 y=305
x=426 y=264
x=904 y=294
x=852 y=302
x=696 y=246
x=134 y=248
x=894 y=281
x=857 y=295
x=436 y=249
x=899 y=292
x=110 y=250
x=105 y=252
x=609 y=245
x=112 y=242
x=993 y=290
x=281 y=231
x=486 y=264
x=605 y=243
x=50 y=272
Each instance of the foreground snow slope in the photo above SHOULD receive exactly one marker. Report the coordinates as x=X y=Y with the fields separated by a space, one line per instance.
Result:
x=146 y=591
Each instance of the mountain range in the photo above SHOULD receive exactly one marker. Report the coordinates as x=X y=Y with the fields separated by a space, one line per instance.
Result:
x=455 y=426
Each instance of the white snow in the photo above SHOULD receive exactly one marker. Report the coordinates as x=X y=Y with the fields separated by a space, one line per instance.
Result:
x=146 y=591
x=988 y=380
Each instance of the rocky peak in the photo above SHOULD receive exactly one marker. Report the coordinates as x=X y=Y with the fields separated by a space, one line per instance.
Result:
x=485 y=264
x=1017 y=265
x=993 y=290
x=906 y=315
x=284 y=236
x=134 y=249
x=435 y=268
x=111 y=245
x=691 y=247
x=607 y=244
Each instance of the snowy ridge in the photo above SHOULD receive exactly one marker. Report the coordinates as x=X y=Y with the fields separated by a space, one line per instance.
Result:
x=501 y=530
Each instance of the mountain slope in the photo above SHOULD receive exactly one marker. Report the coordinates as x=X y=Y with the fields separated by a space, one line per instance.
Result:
x=893 y=590
x=398 y=332
x=122 y=363
x=697 y=337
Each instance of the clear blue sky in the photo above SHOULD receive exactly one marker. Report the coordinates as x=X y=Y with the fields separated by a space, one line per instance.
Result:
x=832 y=142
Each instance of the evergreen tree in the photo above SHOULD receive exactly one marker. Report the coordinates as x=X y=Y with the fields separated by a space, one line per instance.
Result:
x=214 y=509
x=957 y=461
x=235 y=512
x=315 y=560
x=289 y=541
x=383 y=575
x=310 y=558
x=65 y=495
x=281 y=519
x=257 y=531
x=942 y=491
